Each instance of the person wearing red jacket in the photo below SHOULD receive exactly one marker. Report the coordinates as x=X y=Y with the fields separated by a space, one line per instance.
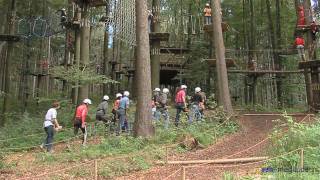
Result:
x=80 y=119
x=314 y=29
x=299 y=43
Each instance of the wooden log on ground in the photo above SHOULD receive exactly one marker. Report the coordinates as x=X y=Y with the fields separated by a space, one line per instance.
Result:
x=220 y=161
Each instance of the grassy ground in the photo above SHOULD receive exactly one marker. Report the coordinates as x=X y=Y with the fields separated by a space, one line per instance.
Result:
x=119 y=154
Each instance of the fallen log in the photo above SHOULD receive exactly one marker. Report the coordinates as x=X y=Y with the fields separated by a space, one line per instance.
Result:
x=219 y=161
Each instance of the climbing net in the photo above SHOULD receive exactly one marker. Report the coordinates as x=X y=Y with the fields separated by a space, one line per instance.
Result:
x=122 y=20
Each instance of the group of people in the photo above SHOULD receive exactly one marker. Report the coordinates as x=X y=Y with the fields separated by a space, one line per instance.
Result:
x=160 y=103
x=196 y=105
x=119 y=111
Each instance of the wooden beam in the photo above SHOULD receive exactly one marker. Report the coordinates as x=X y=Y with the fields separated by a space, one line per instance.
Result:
x=7 y=37
x=220 y=161
x=265 y=72
x=208 y=27
x=309 y=64
x=172 y=50
x=159 y=36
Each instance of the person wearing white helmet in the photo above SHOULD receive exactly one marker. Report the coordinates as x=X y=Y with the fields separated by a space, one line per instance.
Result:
x=80 y=119
x=155 y=104
x=163 y=107
x=122 y=112
x=116 y=107
x=102 y=110
x=196 y=103
x=207 y=14
x=180 y=101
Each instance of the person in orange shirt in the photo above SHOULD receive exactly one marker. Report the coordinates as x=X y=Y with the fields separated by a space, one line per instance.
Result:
x=207 y=14
x=116 y=107
x=80 y=119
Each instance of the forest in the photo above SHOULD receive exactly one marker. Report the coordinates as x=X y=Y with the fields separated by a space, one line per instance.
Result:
x=160 y=89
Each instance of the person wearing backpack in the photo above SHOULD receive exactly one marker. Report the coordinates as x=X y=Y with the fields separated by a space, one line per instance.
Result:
x=80 y=119
x=180 y=101
x=155 y=104
x=115 y=108
x=101 y=114
x=51 y=124
x=163 y=107
x=196 y=103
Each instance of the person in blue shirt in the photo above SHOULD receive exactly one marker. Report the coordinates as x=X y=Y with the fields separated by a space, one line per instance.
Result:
x=122 y=111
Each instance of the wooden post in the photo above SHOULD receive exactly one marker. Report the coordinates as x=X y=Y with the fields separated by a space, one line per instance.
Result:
x=301 y=159
x=183 y=173
x=96 y=169
x=166 y=155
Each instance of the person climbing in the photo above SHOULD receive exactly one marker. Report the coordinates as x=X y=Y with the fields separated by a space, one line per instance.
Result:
x=299 y=43
x=101 y=114
x=150 y=20
x=51 y=124
x=163 y=107
x=122 y=111
x=116 y=107
x=155 y=104
x=314 y=29
x=63 y=17
x=196 y=103
x=180 y=101
x=80 y=119
x=207 y=14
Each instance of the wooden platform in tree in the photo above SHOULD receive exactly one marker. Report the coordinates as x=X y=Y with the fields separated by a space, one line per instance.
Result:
x=212 y=62
x=159 y=36
x=289 y=51
x=92 y=3
x=7 y=37
x=309 y=64
x=173 y=50
x=262 y=72
x=209 y=29
x=304 y=28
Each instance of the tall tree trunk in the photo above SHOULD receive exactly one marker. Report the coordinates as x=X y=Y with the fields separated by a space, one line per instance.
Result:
x=278 y=62
x=155 y=47
x=274 y=47
x=143 y=124
x=84 y=48
x=77 y=47
x=224 y=94
x=11 y=24
x=105 y=51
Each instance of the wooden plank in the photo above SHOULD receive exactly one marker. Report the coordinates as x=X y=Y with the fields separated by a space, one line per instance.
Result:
x=7 y=37
x=309 y=64
x=209 y=29
x=220 y=161
x=265 y=72
x=173 y=50
x=159 y=36
x=212 y=62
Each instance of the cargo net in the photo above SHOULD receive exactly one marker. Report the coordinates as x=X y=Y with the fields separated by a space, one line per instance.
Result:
x=122 y=20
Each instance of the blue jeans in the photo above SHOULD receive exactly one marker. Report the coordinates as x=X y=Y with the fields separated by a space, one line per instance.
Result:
x=165 y=113
x=179 y=107
x=195 y=113
x=122 y=118
x=49 y=140
x=207 y=20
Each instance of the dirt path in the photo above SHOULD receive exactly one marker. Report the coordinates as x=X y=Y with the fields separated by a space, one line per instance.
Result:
x=254 y=129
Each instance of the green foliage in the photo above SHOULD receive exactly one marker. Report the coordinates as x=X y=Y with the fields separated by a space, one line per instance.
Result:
x=85 y=76
x=299 y=135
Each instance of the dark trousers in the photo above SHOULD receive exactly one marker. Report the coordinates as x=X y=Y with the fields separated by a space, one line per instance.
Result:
x=179 y=107
x=77 y=126
x=49 y=140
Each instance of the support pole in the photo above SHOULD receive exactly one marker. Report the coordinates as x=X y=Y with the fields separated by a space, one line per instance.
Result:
x=96 y=169
x=301 y=158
